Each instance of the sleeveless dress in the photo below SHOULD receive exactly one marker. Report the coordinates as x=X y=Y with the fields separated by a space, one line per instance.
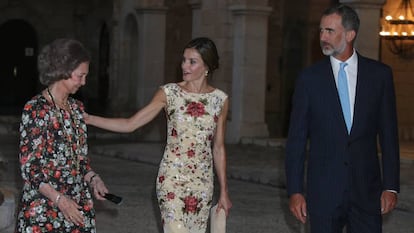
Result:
x=185 y=178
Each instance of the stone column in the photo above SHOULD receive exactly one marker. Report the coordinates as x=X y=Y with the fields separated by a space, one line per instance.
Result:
x=7 y=199
x=247 y=108
x=151 y=37
x=369 y=11
x=196 y=10
x=115 y=56
x=1 y=198
x=7 y=208
x=147 y=50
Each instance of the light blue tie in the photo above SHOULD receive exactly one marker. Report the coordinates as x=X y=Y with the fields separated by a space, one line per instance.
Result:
x=344 y=95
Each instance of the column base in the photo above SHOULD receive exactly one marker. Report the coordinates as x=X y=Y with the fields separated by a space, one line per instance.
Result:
x=7 y=208
x=235 y=132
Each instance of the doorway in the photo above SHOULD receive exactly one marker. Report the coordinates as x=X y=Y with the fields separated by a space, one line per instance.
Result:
x=18 y=71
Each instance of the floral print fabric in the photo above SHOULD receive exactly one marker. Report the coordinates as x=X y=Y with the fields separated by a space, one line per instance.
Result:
x=185 y=178
x=53 y=150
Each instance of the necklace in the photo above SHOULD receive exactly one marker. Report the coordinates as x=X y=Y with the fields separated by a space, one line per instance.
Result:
x=68 y=129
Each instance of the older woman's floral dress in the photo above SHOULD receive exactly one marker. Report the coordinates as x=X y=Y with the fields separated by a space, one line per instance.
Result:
x=53 y=150
x=185 y=178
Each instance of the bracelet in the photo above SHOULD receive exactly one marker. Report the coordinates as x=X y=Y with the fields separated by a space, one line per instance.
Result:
x=92 y=177
x=57 y=200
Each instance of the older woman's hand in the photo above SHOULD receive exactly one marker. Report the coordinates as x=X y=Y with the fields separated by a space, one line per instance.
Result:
x=99 y=188
x=70 y=210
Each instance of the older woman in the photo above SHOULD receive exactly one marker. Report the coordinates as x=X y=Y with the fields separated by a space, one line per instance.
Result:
x=58 y=179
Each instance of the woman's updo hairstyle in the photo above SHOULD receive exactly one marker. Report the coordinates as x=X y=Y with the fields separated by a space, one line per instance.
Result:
x=207 y=50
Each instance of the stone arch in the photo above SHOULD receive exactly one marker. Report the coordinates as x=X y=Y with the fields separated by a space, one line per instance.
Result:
x=18 y=72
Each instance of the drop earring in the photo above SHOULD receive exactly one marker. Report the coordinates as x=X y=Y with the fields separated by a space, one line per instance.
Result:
x=206 y=74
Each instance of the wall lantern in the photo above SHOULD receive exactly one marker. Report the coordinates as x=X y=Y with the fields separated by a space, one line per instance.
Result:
x=398 y=30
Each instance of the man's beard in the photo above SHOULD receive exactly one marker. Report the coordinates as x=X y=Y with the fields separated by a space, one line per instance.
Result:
x=329 y=50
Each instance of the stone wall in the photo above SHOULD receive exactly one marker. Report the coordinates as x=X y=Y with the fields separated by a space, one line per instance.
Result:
x=145 y=40
x=403 y=69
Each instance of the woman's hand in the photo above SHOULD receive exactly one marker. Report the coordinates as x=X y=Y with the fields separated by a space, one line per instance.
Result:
x=99 y=188
x=224 y=203
x=86 y=118
x=70 y=210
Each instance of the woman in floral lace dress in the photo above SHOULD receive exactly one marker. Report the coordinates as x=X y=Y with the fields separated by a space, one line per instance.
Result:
x=57 y=177
x=196 y=116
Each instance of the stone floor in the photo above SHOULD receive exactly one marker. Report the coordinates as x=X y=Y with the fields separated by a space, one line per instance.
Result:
x=256 y=184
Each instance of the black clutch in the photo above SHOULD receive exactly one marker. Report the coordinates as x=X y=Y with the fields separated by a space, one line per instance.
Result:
x=113 y=198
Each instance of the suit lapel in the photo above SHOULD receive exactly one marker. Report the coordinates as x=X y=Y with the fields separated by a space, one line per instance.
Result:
x=361 y=87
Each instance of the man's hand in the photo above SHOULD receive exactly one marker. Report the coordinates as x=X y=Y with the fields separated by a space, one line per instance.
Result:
x=297 y=206
x=388 y=201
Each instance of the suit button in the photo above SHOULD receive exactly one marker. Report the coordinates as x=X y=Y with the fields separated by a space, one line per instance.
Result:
x=348 y=144
x=346 y=163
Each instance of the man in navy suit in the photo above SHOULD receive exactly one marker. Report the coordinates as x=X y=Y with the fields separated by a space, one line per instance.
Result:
x=349 y=183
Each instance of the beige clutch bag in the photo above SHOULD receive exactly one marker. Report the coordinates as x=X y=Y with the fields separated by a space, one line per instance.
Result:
x=217 y=220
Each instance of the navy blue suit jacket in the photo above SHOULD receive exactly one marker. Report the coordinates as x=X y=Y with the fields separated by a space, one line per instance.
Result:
x=342 y=166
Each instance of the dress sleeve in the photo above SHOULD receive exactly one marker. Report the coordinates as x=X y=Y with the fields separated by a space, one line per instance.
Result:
x=35 y=168
x=84 y=161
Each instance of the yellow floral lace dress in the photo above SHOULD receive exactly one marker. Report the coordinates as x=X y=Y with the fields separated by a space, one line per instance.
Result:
x=185 y=178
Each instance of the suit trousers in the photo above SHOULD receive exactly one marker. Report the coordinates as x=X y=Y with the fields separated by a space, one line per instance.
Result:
x=346 y=216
